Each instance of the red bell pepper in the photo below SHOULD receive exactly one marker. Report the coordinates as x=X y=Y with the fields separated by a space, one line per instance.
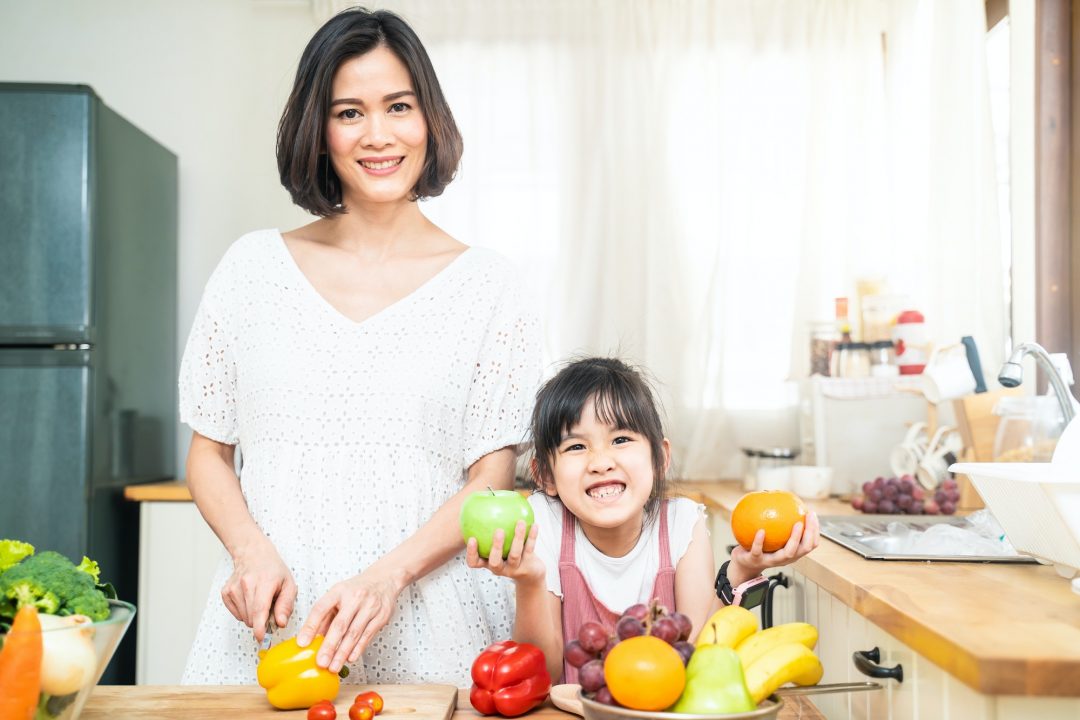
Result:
x=509 y=679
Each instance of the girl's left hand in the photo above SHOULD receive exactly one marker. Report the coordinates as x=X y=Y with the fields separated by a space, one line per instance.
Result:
x=746 y=564
x=349 y=615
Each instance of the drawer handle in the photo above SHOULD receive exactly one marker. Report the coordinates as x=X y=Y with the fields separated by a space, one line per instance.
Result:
x=767 y=603
x=866 y=662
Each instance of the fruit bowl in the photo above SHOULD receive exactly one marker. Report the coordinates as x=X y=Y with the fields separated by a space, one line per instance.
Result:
x=80 y=653
x=593 y=710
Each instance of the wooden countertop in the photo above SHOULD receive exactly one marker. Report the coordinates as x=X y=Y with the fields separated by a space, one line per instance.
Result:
x=183 y=702
x=1001 y=629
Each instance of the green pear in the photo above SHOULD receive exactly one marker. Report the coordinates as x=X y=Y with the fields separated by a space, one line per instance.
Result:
x=714 y=683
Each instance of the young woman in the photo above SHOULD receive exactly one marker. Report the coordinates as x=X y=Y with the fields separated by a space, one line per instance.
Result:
x=374 y=371
x=606 y=535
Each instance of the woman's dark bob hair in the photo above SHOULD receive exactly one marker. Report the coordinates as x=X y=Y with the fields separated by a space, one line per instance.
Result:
x=301 y=139
x=620 y=395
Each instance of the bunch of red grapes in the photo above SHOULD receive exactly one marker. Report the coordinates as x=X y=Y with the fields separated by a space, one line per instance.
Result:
x=593 y=643
x=904 y=496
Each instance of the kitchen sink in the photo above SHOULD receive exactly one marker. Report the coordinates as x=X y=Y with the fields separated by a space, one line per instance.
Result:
x=870 y=536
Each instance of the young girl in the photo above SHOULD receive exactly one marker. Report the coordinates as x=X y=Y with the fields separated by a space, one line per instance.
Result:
x=606 y=535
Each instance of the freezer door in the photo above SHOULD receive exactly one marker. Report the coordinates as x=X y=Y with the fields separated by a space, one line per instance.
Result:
x=45 y=448
x=44 y=202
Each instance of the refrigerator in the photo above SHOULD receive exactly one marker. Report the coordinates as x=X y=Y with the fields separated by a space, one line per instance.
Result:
x=88 y=225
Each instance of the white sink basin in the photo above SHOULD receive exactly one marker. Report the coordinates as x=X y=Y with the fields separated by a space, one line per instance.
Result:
x=1037 y=504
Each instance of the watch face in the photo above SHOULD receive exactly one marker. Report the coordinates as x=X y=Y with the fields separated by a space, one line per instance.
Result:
x=755 y=595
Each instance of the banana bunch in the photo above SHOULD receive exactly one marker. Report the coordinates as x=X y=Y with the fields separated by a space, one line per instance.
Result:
x=770 y=658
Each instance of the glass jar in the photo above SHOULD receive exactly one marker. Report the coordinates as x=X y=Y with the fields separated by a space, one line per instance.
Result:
x=823 y=339
x=1028 y=429
x=854 y=360
x=883 y=359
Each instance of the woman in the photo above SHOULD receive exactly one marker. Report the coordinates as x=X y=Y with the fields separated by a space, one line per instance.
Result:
x=373 y=369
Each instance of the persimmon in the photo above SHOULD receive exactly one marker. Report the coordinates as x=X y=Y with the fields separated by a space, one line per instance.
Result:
x=774 y=511
x=645 y=673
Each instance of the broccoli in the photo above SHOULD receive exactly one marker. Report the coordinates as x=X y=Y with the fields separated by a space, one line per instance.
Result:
x=90 y=567
x=49 y=577
x=12 y=551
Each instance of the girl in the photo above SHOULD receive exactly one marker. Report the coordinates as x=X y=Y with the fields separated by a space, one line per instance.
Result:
x=606 y=535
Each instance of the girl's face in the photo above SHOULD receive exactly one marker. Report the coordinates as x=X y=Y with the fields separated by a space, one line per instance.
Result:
x=603 y=475
x=376 y=136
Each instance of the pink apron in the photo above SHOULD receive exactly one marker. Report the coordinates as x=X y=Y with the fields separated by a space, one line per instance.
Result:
x=580 y=606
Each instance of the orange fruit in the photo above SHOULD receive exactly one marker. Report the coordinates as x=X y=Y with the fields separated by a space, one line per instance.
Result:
x=775 y=511
x=645 y=673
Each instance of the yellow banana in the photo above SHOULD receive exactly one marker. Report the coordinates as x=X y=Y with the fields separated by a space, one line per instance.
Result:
x=790 y=662
x=728 y=626
x=760 y=643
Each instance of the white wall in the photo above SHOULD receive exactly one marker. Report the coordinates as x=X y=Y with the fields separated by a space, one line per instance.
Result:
x=206 y=78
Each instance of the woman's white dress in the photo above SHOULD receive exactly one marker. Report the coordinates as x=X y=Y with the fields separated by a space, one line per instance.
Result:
x=352 y=435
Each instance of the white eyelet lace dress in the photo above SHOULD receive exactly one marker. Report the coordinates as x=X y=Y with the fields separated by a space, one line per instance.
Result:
x=352 y=435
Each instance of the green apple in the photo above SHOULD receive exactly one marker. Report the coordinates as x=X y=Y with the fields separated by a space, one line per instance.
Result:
x=489 y=510
x=715 y=683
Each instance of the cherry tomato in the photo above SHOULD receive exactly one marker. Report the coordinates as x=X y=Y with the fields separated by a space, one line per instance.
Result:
x=371 y=698
x=322 y=710
x=361 y=711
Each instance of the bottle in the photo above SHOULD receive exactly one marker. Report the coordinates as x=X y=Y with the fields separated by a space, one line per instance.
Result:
x=909 y=336
x=842 y=322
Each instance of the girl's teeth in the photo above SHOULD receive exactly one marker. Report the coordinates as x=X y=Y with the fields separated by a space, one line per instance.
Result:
x=380 y=165
x=606 y=491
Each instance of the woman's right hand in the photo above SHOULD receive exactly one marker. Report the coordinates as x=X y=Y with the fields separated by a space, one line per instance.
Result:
x=521 y=564
x=260 y=586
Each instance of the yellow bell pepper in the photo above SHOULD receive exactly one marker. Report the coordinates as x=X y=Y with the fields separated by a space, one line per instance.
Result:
x=291 y=677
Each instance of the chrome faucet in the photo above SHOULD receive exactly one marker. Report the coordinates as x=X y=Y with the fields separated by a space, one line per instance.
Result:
x=1012 y=374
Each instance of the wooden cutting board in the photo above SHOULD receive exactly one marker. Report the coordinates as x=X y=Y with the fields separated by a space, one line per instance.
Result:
x=184 y=702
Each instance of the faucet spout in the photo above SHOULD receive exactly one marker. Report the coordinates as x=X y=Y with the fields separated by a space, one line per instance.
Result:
x=1012 y=374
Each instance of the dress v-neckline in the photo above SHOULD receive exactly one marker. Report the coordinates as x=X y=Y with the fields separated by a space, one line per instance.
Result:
x=386 y=309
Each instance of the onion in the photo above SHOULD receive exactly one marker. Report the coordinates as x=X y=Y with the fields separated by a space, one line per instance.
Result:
x=68 y=660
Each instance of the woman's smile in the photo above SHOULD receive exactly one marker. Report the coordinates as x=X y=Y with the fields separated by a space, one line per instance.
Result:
x=381 y=165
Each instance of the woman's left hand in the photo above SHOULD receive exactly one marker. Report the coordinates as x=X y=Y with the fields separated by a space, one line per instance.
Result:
x=746 y=564
x=349 y=615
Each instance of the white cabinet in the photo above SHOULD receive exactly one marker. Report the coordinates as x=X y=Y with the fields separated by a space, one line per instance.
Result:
x=178 y=555
x=927 y=692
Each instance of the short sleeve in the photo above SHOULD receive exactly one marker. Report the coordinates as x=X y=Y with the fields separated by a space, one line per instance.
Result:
x=684 y=515
x=504 y=380
x=208 y=369
x=547 y=512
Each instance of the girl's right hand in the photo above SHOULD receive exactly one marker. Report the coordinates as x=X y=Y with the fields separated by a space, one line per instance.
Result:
x=521 y=564
x=260 y=585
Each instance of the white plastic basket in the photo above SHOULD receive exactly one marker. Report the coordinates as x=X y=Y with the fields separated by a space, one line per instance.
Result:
x=1037 y=504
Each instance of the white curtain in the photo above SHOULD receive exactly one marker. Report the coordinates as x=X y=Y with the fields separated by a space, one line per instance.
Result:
x=691 y=182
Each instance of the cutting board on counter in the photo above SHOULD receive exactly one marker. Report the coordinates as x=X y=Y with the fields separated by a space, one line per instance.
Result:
x=184 y=702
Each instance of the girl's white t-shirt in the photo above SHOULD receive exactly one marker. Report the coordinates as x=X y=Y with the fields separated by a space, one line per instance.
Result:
x=617 y=582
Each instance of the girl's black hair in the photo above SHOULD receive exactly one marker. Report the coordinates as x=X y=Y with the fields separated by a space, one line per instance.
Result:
x=621 y=397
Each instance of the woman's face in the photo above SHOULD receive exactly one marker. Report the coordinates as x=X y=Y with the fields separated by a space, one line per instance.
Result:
x=376 y=136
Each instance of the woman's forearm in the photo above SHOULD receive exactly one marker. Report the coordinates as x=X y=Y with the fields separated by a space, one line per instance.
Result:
x=215 y=488
x=439 y=539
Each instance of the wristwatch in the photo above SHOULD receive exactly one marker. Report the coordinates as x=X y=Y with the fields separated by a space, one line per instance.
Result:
x=748 y=594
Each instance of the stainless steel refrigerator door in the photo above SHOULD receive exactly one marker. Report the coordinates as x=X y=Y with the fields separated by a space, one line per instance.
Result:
x=44 y=448
x=45 y=271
